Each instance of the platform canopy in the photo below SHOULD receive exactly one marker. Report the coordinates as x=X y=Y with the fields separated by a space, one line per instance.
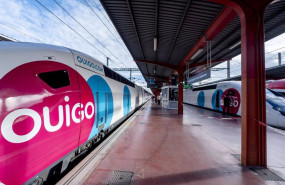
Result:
x=181 y=29
x=6 y=38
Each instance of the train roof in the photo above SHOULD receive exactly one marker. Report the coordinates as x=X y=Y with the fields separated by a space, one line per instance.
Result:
x=35 y=47
x=218 y=83
x=6 y=45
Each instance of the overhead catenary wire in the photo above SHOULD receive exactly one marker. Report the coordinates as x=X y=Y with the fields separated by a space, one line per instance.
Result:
x=86 y=30
x=102 y=22
x=103 y=14
x=112 y=26
x=275 y=50
x=70 y=27
x=20 y=31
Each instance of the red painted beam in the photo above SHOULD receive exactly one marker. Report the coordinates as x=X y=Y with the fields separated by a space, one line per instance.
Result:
x=159 y=64
x=222 y=20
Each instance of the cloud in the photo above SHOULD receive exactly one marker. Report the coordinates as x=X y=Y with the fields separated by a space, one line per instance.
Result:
x=28 y=21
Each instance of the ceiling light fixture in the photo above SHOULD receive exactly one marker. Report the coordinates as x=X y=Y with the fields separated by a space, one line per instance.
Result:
x=197 y=53
x=235 y=45
x=155 y=43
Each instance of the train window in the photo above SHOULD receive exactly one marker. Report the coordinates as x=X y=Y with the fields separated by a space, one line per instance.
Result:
x=56 y=79
x=108 y=72
x=113 y=75
x=205 y=88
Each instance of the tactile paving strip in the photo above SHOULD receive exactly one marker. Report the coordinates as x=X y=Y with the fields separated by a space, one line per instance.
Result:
x=121 y=178
x=266 y=174
x=196 y=125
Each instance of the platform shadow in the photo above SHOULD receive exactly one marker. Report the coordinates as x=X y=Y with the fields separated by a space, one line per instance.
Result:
x=188 y=177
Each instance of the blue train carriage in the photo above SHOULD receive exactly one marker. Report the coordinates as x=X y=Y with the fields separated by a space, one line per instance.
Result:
x=211 y=96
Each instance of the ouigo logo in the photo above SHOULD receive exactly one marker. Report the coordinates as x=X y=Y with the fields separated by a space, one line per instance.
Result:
x=89 y=63
x=70 y=113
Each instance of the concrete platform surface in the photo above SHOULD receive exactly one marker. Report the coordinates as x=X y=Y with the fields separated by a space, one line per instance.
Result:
x=161 y=147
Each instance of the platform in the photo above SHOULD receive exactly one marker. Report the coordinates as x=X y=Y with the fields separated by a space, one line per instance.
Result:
x=199 y=147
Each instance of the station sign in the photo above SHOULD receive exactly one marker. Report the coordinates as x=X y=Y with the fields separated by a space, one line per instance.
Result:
x=151 y=81
x=199 y=77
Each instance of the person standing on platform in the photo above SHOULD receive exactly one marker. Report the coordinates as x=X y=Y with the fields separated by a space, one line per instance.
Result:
x=227 y=103
x=158 y=99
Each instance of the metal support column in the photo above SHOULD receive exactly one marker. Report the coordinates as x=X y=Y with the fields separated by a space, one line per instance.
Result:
x=180 y=92
x=108 y=61
x=253 y=82
x=279 y=59
x=228 y=69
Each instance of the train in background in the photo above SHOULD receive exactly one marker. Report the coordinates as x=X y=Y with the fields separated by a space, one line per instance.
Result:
x=277 y=86
x=212 y=97
x=55 y=103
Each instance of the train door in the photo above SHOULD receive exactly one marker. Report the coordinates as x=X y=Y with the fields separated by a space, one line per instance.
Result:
x=101 y=103
x=129 y=103
x=218 y=100
x=126 y=100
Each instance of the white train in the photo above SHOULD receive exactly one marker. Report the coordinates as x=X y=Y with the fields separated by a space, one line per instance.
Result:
x=212 y=97
x=55 y=103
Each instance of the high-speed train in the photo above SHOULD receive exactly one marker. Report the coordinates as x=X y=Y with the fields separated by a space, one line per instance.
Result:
x=212 y=97
x=55 y=102
x=277 y=86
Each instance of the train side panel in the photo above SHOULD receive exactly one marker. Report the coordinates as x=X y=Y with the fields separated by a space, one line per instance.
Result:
x=46 y=121
x=212 y=97
x=40 y=122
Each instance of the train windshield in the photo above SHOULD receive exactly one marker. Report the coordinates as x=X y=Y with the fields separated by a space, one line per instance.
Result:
x=275 y=101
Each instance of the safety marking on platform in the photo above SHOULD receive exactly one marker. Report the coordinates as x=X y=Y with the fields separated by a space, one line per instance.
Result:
x=282 y=132
x=196 y=125
x=220 y=118
x=140 y=173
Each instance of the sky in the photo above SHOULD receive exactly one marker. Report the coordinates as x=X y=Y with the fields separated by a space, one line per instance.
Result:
x=83 y=25
x=52 y=22
x=272 y=48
